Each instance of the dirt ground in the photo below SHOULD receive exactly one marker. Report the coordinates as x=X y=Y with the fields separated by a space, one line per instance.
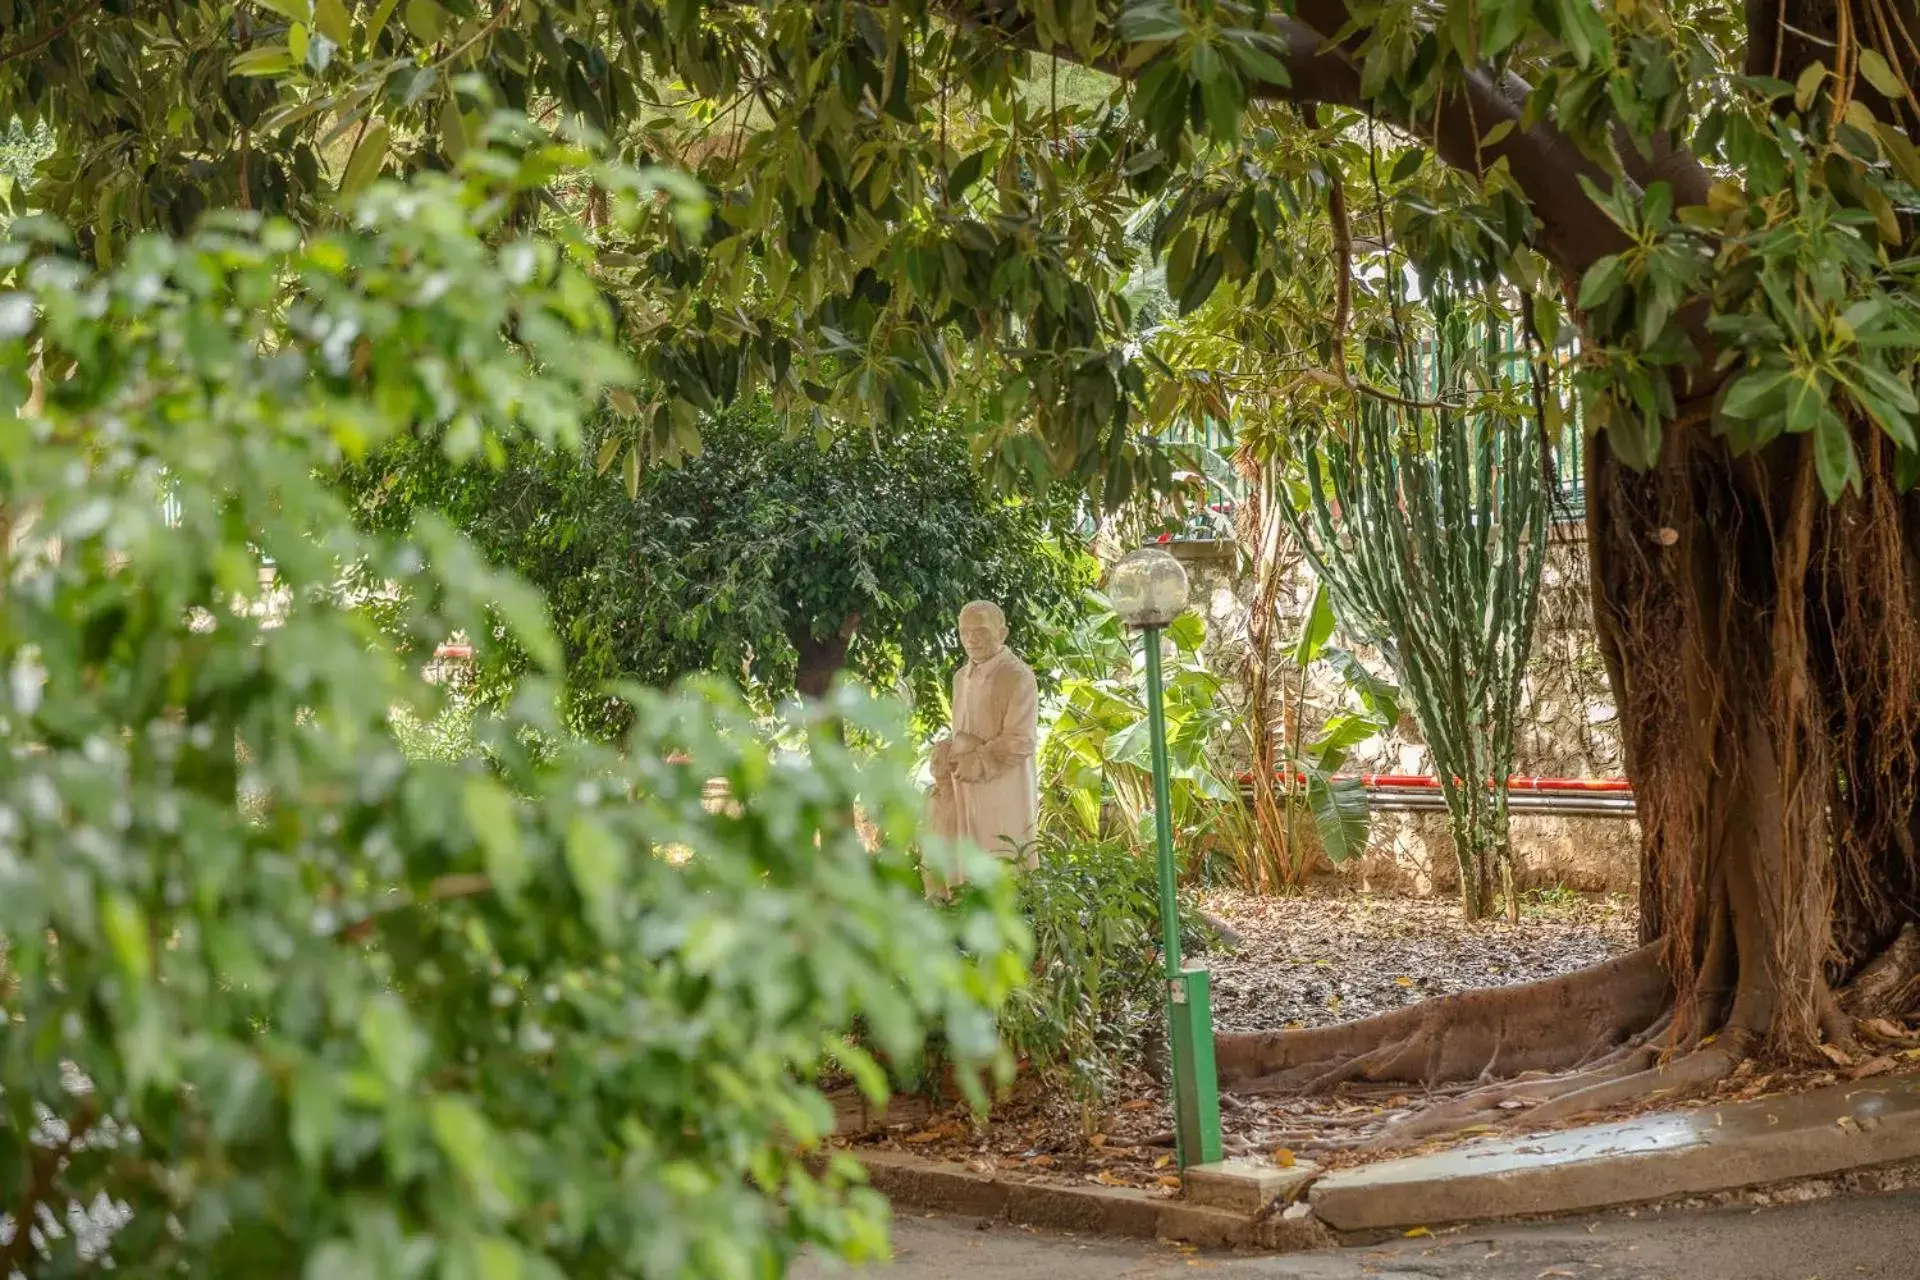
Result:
x=1302 y=961
x=1319 y=959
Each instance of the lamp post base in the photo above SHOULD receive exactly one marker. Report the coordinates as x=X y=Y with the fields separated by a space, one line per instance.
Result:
x=1196 y=1088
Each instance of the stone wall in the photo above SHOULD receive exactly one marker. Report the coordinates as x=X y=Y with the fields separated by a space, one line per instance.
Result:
x=1568 y=727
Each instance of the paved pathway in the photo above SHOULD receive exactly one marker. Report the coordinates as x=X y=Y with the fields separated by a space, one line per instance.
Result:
x=1846 y=1238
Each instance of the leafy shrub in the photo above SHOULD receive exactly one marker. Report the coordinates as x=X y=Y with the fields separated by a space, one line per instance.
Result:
x=771 y=558
x=445 y=1016
x=1093 y=907
x=1096 y=754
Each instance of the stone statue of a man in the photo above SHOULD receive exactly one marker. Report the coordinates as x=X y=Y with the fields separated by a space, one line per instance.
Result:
x=985 y=789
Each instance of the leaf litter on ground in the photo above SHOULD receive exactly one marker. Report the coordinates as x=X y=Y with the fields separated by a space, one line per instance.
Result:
x=1309 y=960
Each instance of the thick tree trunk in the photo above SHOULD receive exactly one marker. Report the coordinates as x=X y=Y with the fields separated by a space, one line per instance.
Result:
x=1764 y=648
x=821 y=657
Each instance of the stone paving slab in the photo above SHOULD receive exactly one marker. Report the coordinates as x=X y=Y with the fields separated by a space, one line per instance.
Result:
x=910 y=1182
x=1678 y=1153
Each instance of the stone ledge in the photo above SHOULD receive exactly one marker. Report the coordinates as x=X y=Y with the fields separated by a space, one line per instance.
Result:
x=911 y=1182
x=1654 y=1157
x=1246 y=1186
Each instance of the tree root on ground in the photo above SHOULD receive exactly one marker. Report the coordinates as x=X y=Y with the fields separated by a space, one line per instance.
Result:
x=1555 y=1025
x=1541 y=1053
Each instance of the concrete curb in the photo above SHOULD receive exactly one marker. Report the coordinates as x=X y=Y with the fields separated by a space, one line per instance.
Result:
x=913 y=1183
x=1655 y=1157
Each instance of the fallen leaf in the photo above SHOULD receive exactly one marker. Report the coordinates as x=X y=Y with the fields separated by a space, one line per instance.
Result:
x=1137 y=1104
x=1836 y=1055
x=1555 y=1273
x=1882 y=1028
x=1163 y=1162
x=1097 y=1140
x=1283 y=1157
x=1041 y=1162
x=1874 y=1067
x=1106 y=1179
x=1417 y=1233
x=1403 y=981
x=1169 y=1180
x=930 y=1135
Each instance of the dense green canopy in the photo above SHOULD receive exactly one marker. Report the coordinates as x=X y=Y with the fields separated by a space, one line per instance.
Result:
x=771 y=558
x=952 y=203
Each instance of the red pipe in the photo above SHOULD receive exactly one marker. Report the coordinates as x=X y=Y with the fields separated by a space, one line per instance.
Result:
x=1424 y=782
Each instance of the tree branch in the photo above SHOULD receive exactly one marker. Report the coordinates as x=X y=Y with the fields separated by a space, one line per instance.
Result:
x=41 y=42
x=1544 y=162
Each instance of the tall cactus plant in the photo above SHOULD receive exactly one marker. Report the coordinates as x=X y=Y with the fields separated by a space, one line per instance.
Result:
x=1425 y=515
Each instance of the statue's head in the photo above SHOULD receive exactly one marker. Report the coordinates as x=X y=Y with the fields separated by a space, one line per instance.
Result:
x=983 y=629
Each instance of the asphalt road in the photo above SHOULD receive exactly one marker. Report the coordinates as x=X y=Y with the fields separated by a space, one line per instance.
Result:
x=1845 y=1238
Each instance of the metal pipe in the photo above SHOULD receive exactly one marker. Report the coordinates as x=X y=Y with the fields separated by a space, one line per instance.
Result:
x=1162 y=807
x=1516 y=783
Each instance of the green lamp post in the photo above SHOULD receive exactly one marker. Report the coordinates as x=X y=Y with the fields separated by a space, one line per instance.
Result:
x=1149 y=590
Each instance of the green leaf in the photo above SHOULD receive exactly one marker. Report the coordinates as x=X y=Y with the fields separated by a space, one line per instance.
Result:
x=1407 y=164
x=377 y=23
x=1340 y=734
x=313 y=1114
x=1656 y=209
x=596 y=864
x=363 y=166
x=1148 y=20
x=1906 y=469
x=1381 y=698
x=868 y=1074
x=333 y=22
x=1340 y=815
x=1806 y=402
x=495 y=820
x=1188 y=632
x=468 y=1142
x=392 y=1041
x=524 y=610
x=1881 y=76
x=1200 y=284
x=1900 y=151
x=1811 y=78
x=1833 y=456
x=1317 y=628
x=263 y=60
x=966 y=173
x=1259 y=64
x=1603 y=279
x=426 y=20
x=1132 y=745
x=1221 y=92
x=125 y=926
x=609 y=450
x=1756 y=394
